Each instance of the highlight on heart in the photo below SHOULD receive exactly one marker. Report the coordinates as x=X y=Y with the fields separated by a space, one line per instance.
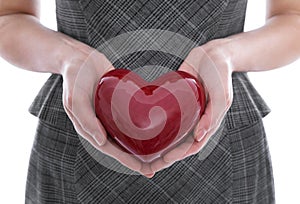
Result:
x=148 y=118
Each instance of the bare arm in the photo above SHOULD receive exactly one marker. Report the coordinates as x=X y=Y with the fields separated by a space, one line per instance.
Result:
x=275 y=44
x=27 y=44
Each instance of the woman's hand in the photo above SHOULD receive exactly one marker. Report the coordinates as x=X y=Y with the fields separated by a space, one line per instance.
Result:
x=80 y=65
x=211 y=65
x=80 y=78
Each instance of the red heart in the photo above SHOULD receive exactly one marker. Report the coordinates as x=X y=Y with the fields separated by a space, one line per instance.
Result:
x=148 y=118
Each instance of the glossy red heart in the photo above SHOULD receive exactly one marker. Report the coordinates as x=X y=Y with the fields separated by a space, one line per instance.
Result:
x=148 y=118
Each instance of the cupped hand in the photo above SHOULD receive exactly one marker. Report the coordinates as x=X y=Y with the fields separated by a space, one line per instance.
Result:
x=212 y=66
x=80 y=78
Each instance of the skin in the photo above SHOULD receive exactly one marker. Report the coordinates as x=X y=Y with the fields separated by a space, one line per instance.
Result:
x=271 y=46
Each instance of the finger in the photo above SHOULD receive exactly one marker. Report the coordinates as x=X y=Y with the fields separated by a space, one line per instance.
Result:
x=85 y=115
x=159 y=165
x=146 y=169
x=81 y=131
x=128 y=160
x=149 y=175
x=205 y=123
x=173 y=155
x=179 y=151
x=211 y=119
x=82 y=96
x=67 y=101
x=76 y=124
x=110 y=149
x=197 y=146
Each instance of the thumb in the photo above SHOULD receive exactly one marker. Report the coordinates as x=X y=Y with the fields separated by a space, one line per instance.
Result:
x=204 y=125
x=101 y=136
x=188 y=67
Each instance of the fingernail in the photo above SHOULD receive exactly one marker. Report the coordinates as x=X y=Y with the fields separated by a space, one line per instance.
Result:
x=100 y=141
x=200 y=134
x=149 y=175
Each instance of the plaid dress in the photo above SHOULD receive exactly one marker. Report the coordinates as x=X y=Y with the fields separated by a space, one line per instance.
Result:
x=236 y=167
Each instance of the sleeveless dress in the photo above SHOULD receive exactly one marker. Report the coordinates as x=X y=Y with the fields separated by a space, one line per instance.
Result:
x=236 y=167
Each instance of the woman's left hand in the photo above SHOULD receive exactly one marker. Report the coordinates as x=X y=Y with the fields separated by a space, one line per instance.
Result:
x=211 y=65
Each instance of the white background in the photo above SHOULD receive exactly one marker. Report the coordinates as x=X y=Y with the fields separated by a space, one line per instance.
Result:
x=279 y=88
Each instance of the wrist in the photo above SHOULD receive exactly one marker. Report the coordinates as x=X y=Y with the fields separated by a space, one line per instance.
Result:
x=79 y=58
x=72 y=53
x=221 y=53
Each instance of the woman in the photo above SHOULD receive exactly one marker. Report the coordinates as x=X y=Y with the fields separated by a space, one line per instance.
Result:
x=226 y=160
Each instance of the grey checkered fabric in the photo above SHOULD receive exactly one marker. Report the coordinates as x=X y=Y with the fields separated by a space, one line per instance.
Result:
x=236 y=170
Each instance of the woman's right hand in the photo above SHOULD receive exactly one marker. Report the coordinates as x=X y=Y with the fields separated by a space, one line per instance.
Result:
x=80 y=78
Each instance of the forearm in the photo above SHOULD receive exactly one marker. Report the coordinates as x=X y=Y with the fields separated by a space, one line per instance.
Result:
x=274 y=45
x=27 y=44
